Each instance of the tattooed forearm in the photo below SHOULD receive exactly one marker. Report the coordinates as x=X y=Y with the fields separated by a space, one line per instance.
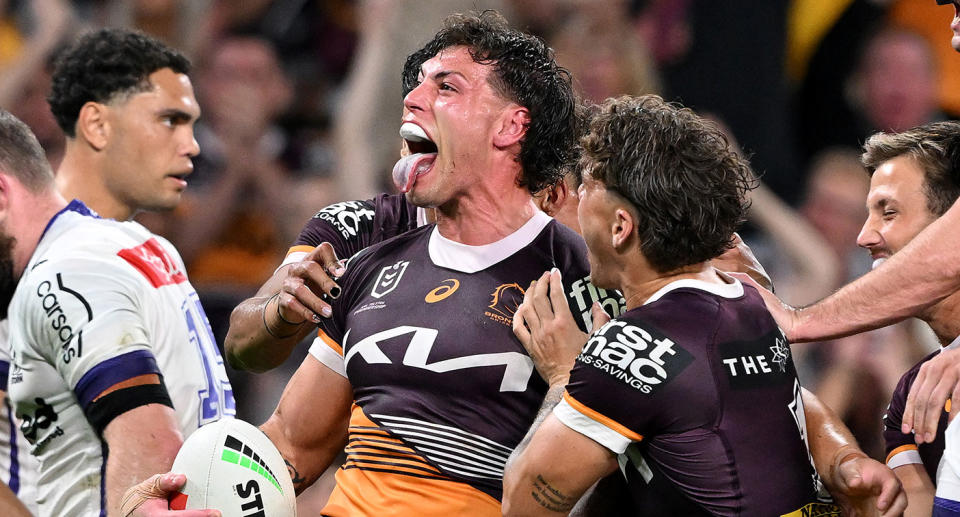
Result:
x=299 y=482
x=550 y=498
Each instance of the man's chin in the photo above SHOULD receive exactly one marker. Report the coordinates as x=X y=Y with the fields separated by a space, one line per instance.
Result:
x=955 y=42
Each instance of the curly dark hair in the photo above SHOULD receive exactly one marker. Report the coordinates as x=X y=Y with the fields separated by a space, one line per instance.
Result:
x=936 y=149
x=677 y=170
x=524 y=71
x=103 y=66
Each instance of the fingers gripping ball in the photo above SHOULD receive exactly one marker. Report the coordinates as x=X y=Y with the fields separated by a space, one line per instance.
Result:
x=233 y=467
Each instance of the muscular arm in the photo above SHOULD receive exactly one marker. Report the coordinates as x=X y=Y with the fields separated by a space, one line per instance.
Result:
x=265 y=328
x=142 y=442
x=9 y=504
x=857 y=482
x=921 y=274
x=918 y=487
x=309 y=426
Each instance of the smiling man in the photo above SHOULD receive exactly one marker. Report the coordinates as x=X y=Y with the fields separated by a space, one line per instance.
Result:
x=915 y=178
x=419 y=364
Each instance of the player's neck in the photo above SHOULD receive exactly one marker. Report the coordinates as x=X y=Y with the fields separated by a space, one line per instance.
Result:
x=638 y=284
x=486 y=215
x=75 y=179
x=33 y=215
x=944 y=319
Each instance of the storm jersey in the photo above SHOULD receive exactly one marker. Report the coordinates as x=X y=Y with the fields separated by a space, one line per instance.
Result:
x=696 y=393
x=101 y=302
x=18 y=469
x=351 y=226
x=902 y=449
x=443 y=390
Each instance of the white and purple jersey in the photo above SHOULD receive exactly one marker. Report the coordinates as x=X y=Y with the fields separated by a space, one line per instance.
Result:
x=18 y=469
x=101 y=302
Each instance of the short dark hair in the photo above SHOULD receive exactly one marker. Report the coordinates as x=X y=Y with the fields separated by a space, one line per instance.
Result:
x=21 y=155
x=936 y=149
x=524 y=71
x=103 y=66
x=678 y=171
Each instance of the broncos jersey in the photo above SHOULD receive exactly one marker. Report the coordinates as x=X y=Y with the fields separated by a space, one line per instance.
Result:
x=443 y=390
x=18 y=469
x=696 y=393
x=101 y=302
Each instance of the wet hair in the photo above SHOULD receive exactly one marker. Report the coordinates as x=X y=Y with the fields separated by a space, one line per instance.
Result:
x=21 y=155
x=525 y=72
x=104 y=66
x=936 y=149
x=683 y=178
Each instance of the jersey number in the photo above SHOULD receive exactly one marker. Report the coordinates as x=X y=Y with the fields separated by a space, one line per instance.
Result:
x=216 y=399
x=516 y=375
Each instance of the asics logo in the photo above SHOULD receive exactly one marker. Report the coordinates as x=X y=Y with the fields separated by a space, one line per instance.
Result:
x=441 y=293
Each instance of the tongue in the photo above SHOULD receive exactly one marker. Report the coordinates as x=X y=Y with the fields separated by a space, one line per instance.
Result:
x=407 y=169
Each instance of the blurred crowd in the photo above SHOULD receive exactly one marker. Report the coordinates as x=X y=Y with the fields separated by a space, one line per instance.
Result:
x=301 y=102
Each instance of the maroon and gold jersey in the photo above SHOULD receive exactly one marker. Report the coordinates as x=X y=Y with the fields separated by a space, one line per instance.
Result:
x=902 y=449
x=443 y=389
x=696 y=392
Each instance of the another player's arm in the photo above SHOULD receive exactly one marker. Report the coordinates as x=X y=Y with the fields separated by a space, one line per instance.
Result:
x=265 y=328
x=918 y=488
x=142 y=440
x=309 y=425
x=855 y=480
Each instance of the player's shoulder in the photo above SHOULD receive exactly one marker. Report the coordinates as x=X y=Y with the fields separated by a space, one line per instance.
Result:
x=396 y=245
x=906 y=380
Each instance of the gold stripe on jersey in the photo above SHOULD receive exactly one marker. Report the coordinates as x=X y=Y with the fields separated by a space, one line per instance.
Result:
x=607 y=421
x=301 y=247
x=898 y=450
x=330 y=342
x=382 y=475
x=815 y=510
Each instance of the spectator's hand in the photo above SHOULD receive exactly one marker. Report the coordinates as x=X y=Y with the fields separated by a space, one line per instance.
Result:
x=150 y=498
x=865 y=487
x=545 y=326
x=937 y=381
x=308 y=285
x=740 y=259
x=785 y=315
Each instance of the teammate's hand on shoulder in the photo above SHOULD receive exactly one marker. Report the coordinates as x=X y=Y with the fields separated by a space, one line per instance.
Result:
x=308 y=286
x=786 y=316
x=150 y=497
x=545 y=326
x=865 y=487
x=937 y=381
x=740 y=259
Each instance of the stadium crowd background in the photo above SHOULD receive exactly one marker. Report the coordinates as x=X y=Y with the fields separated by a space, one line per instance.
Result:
x=301 y=105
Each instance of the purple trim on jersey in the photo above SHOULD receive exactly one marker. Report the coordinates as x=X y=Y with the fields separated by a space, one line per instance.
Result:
x=103 y=478
x=112 y=371
x=14 y=481
x=74 y=206
x=4 y=373
x=945 y=507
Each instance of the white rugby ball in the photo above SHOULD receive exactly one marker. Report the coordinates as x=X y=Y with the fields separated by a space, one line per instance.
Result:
x=233 y=467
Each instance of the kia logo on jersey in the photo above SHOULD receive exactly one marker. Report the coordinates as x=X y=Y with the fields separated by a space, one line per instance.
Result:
x=388 y=279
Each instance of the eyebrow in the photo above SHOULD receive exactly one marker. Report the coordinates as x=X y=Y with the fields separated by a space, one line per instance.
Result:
x=176 y=114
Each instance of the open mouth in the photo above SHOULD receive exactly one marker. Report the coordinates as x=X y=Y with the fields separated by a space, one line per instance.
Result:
x=423 y=152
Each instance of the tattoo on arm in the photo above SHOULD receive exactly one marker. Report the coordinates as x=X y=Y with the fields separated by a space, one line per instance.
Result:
x=298 y=480
x=547 y=496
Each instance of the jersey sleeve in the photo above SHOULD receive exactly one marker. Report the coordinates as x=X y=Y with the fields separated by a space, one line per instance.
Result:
x=623 y=380
x=347 y=226
x=86 y=320
x=328 y=352
x=901 y=448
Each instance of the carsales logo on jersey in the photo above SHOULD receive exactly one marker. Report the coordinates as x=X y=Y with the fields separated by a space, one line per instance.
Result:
x=583 y=294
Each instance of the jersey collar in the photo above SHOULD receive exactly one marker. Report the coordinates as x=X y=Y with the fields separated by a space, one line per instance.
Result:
x=470 y=259
x=73 y=206
x=732 y=289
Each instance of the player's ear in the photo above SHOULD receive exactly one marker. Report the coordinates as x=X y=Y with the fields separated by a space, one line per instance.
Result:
x=513 y=126
x=622 y=227
x=553 y=197
x=93 y=124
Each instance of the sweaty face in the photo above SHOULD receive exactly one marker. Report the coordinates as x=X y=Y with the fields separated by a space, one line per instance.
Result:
x=594 y=213
x=897 y=208
x=151 y=143
x=449 y=122
x=7 y=283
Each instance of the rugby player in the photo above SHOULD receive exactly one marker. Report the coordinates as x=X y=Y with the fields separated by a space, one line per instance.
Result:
x=619 y=396
x=98 y=367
